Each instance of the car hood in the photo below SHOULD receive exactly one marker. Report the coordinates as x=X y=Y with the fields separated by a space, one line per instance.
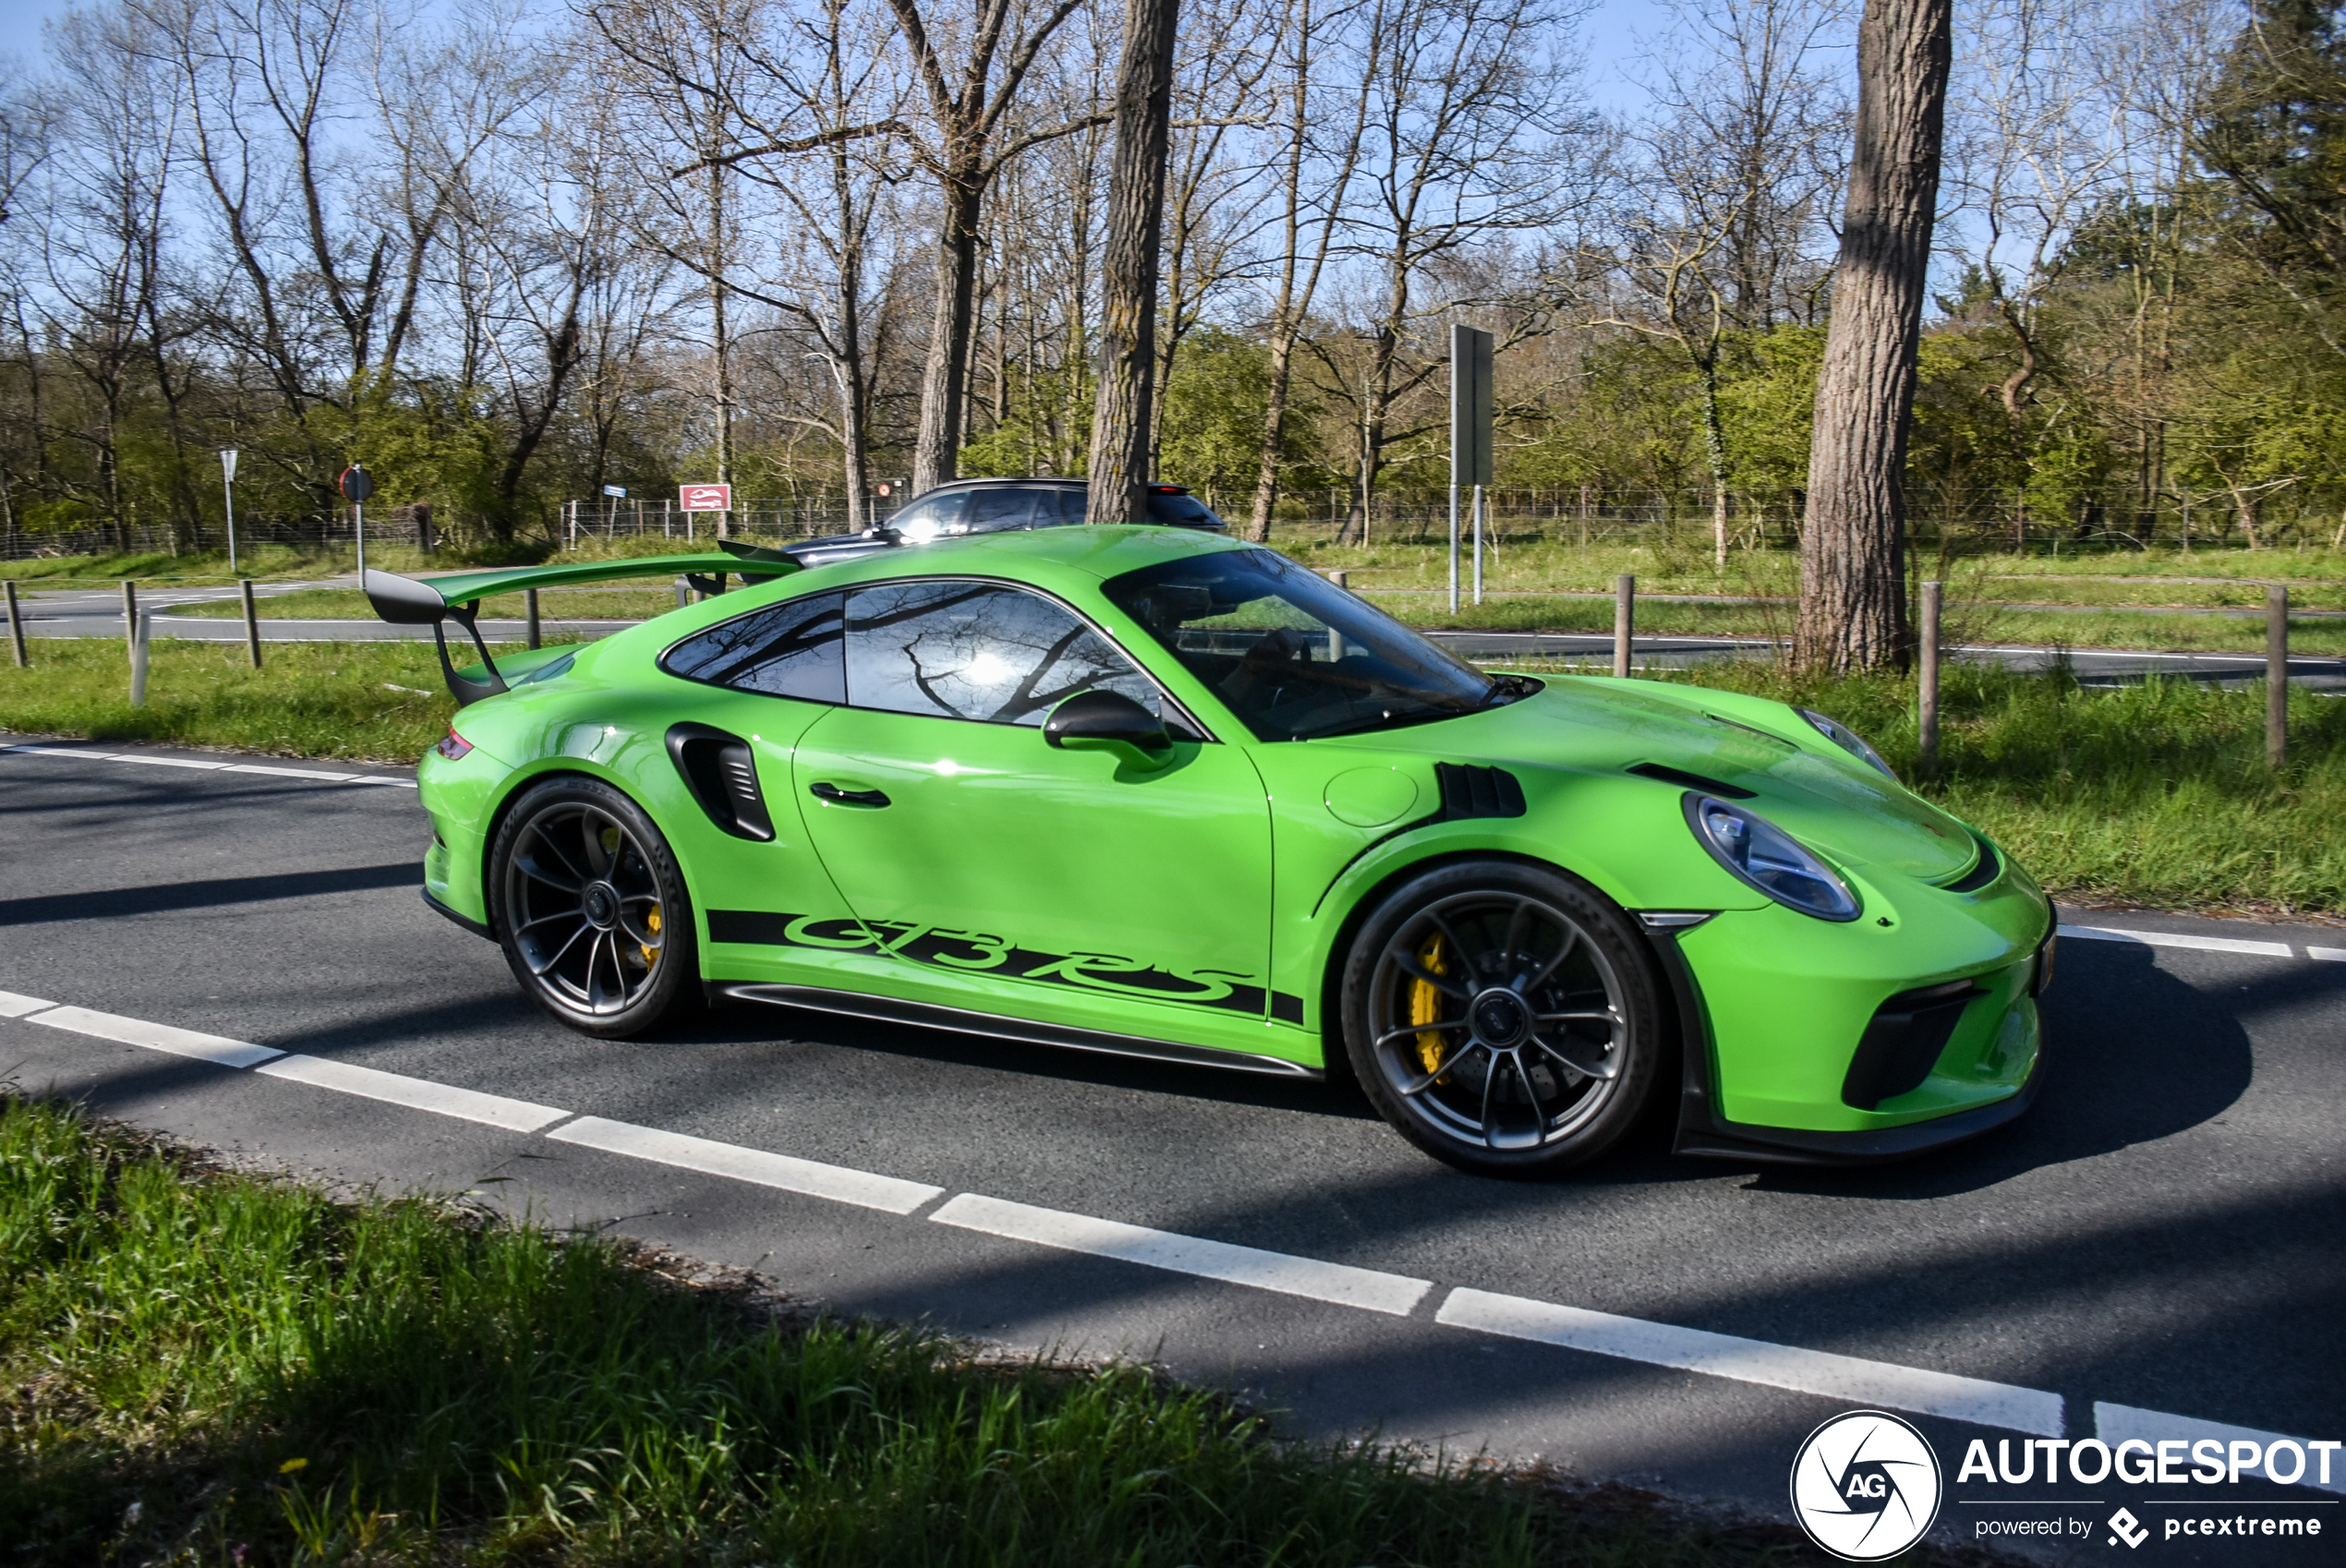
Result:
x=1829 y=800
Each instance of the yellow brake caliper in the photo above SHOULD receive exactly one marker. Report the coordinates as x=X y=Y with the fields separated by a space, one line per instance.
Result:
x=652 y=923
x=1425 y=1004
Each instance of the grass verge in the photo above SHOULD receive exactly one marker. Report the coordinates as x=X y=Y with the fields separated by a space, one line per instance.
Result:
x=205 y=1367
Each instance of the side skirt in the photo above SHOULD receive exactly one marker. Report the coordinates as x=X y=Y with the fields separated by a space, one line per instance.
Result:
x=927 y=1015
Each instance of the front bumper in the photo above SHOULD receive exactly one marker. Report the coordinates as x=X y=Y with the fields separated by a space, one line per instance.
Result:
x=1785 y=1022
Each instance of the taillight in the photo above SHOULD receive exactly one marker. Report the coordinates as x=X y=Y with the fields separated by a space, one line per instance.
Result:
x=454 y=746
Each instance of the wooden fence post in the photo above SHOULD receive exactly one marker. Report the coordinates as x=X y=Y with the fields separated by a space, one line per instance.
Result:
x=1625 y=612
x=1927 y=703
x=252 y=623
x=2276 y=677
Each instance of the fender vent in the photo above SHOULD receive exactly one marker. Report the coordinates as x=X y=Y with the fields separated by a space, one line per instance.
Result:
x=1477 y=791
x=722 y=776
x=1686 y=780
x=1983 y=871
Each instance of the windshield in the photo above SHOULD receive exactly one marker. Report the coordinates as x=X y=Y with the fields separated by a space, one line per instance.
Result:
x=1294 y=656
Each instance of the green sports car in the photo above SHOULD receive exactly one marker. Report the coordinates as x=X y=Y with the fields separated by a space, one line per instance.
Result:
x=1155 y=791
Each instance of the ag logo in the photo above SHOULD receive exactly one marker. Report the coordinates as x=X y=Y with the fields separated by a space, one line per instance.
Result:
x=1865 y=1485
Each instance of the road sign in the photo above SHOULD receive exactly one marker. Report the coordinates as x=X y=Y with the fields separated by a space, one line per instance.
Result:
x=353 y=484
x=229 y=465
x=618 y=491
x=705 y=498
x=1470 y=405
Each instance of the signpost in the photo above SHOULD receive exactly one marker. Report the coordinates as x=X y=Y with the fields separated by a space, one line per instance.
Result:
x=1470 y=410
x=706 y=498
x=356 y=486
x=228 y=489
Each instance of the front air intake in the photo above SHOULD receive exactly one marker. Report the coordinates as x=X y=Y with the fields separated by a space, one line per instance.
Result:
x=722 y=774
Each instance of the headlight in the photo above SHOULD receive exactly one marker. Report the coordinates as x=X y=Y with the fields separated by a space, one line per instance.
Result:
x=1848 y=739
x=1765 y=856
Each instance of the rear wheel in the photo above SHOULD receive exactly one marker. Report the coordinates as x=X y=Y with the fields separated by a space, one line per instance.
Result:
x=590 y=907
x=1504 y=1017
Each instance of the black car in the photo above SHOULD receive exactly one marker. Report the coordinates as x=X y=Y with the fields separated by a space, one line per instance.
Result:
x=993 y=506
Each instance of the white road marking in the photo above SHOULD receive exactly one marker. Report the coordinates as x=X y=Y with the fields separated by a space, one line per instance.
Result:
x=416 y=1093
x=1820 y=1372
x=2116 y=1423
x=2177 y=939
x=158 y=1037
x=866 y=1190
x=1338 y=1283
x=2334 y=954
x=14 y=1006
x=214 y=767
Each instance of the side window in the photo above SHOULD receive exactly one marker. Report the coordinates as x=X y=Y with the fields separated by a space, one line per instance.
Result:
x=979 y=651
x=790 y=649
x=931 y=515
x=992 y=510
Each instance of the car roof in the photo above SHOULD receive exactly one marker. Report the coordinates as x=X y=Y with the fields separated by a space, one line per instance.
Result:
x=1037 y=555
x=996 y=484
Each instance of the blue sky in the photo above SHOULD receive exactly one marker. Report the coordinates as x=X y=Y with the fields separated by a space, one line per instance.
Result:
x=1611 y=36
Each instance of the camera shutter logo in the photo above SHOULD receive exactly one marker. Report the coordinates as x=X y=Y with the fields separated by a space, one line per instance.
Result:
x=1866 y=1486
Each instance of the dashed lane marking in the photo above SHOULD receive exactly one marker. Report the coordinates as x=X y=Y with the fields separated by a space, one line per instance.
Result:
x=271 y=770
x=1340 y=1284
x=2179 y=940
x=416 y=1093
x=866 y=1190
x=1829 y=1376
x=157 y=1037
x=2114 y=1423
x=14 y=1006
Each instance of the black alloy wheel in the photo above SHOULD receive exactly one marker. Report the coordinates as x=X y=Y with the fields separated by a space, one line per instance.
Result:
x=1504 y=1017
x=590 y=908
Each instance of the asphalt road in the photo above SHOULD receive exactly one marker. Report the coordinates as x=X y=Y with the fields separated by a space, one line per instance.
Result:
x=2159 y=1245
x=97 y=612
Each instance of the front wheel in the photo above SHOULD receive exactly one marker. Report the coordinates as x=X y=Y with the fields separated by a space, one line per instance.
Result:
x=1503 y=1017
x=588 y=903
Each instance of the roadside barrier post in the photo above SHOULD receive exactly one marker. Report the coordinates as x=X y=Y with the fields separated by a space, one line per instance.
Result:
x=2276 y=677
x=252 y=623
x=130 y=616
x=530 y=598
x=1625 y=613
x=1927 y=703
x=15 y=626
x=143 y=630
x=684 y=593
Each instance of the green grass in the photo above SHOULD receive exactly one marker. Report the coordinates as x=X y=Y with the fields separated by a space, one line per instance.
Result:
x=308 y=699
x=202 y=1367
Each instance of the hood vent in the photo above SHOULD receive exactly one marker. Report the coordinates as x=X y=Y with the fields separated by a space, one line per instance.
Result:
x=1686 y=780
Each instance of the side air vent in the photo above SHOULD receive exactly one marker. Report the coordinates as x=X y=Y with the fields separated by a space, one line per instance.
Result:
x=722 y=776
x=1983 y=871
x=1686 y=780
x=1477 y=791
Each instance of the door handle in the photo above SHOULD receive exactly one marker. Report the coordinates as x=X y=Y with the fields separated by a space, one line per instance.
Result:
x=847 y=796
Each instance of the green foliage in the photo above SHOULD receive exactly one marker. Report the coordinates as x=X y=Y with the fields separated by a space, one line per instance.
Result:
x=221 y=1368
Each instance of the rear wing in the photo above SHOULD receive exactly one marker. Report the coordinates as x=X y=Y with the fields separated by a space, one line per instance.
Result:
x=413 y=601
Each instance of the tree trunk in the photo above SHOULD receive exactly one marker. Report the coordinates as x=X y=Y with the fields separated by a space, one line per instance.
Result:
x=936 y=453
x=1121 y=415
x=1853 y=591
x=1266 y=473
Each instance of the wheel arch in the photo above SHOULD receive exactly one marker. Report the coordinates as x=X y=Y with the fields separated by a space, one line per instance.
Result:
x=1666 y=971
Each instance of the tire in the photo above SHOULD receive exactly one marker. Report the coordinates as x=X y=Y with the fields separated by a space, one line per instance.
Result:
x=1504 y=1017
x=586 y=900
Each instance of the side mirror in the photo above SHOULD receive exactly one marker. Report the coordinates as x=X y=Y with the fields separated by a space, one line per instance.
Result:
x=1109 y=721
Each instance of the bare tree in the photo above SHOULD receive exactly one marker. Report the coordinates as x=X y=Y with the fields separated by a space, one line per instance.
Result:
x=1123 y=418
x=1853 y=590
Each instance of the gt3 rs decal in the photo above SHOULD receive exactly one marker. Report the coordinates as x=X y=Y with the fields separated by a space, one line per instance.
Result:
x=980 y=953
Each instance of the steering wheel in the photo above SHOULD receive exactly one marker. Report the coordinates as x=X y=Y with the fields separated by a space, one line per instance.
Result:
x=1278 y=652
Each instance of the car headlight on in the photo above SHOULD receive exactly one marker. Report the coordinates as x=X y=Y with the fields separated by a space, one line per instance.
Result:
x=1848 y=739
x=1764 y=855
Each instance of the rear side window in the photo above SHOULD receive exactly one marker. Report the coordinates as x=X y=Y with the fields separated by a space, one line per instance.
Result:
x=982 y=651
x=790 y=649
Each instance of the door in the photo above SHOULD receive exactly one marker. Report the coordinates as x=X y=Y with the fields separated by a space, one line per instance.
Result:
x=969 y=847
